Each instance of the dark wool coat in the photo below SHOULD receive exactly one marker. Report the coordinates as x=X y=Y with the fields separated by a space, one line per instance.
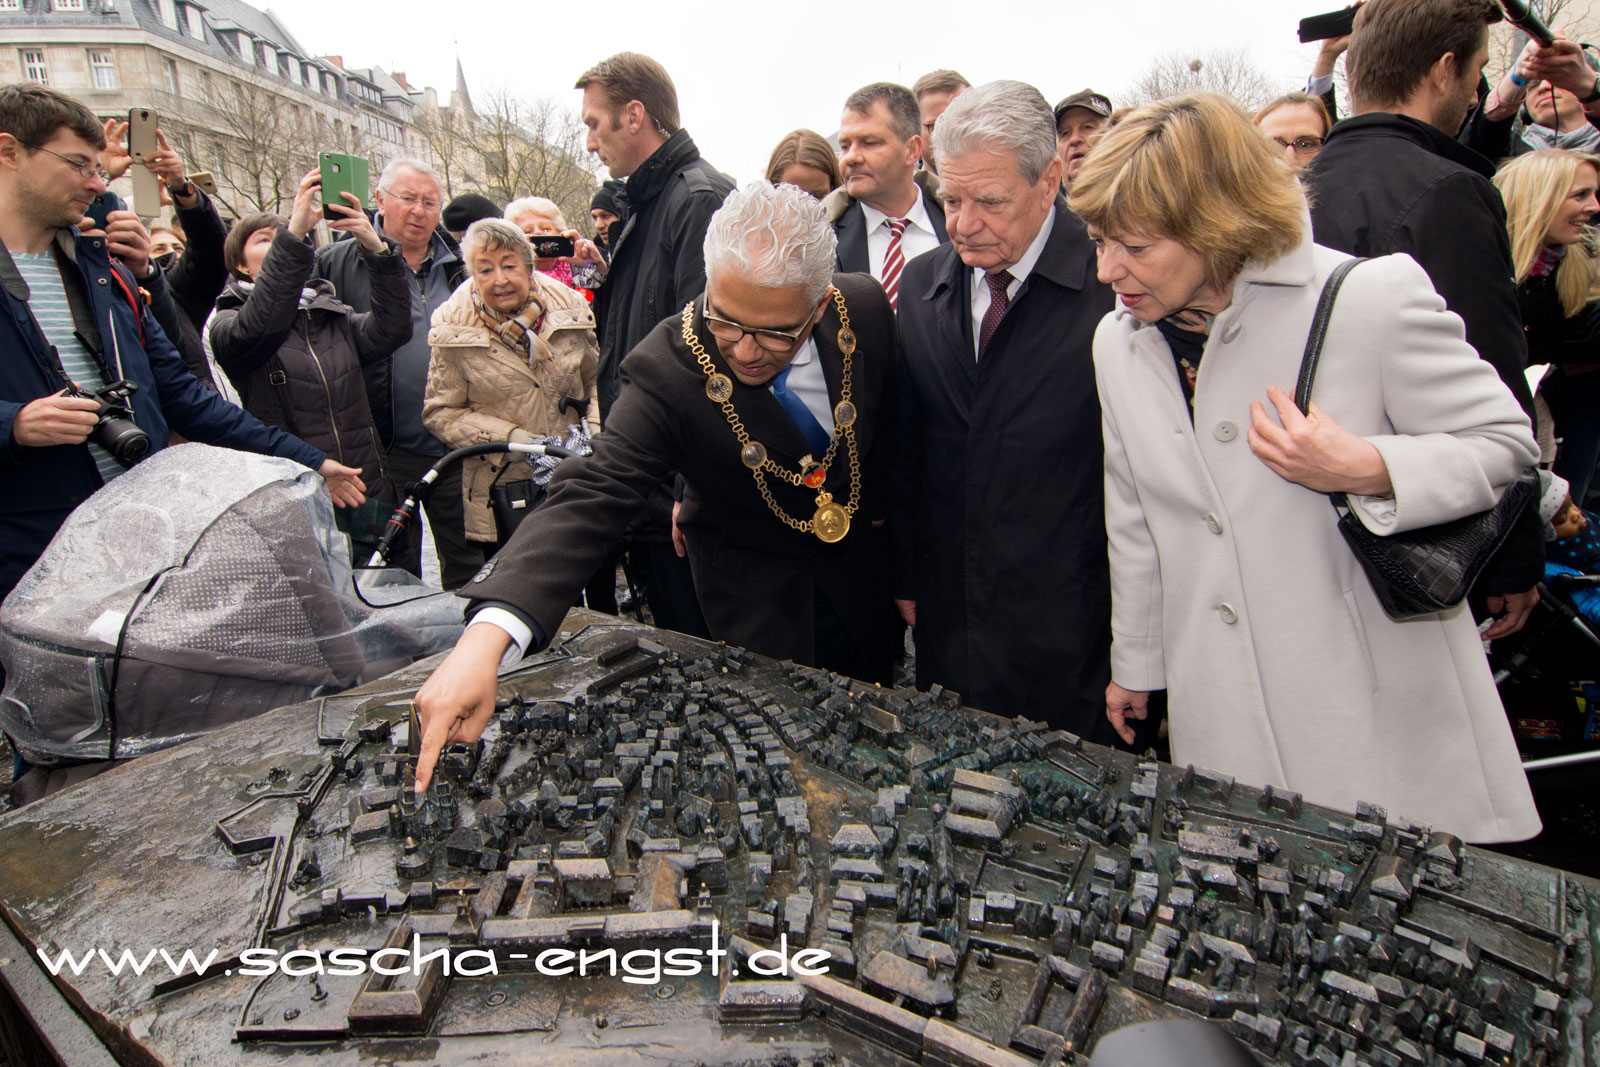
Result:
x=1000 y=511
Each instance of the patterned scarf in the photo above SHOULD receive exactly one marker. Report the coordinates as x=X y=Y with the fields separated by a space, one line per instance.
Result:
x=1548 y=259
x=520 y=332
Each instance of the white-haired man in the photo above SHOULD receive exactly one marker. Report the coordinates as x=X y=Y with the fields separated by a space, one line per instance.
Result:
x=999 y=520
x=764 y=393
x=410 y=199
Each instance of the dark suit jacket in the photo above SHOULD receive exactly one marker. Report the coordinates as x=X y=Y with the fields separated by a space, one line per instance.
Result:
x=756 y=577
x=851 y=229
x=1000 y=502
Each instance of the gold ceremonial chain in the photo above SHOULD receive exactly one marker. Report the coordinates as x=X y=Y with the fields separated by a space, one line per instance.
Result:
x=831 y=521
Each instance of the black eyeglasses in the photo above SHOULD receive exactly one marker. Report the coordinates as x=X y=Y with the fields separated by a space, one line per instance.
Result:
x=86 y=169
x=732 y=332
x=1303 y=146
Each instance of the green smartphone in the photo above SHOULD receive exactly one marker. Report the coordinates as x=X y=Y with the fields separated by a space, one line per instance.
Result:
x=341 y=173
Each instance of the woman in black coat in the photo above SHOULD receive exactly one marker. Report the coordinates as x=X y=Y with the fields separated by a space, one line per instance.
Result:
x=1550 y=199
x=295 y=353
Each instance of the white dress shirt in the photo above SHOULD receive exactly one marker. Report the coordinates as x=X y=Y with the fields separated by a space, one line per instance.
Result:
x=1019 y=273
x=919 y=236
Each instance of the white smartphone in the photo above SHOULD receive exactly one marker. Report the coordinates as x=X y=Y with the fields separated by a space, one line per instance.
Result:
x=142 y=122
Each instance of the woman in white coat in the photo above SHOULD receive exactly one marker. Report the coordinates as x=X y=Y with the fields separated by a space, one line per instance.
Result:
x=1231 y=587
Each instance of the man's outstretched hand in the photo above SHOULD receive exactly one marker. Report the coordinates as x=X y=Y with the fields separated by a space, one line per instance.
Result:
x=455 y=703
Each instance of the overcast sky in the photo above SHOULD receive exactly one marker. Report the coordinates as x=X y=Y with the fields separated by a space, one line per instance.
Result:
x=748 y=74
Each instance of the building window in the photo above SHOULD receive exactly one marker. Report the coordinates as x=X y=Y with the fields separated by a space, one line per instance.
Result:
x=205 y=84
x=67 y=5
x=33 y=68
x=169 y=14
x=105 y=72
x=10 y=5
x=197 y=28
x=169 y=71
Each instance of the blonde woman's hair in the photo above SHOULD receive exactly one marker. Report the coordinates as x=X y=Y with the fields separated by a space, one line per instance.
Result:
x=1193 y=168
x=1533 y=186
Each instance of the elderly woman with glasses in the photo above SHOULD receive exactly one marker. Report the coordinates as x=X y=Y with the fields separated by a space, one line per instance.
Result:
x=1231 y=587
x=509 y=348
x=1298 y=124
x=539 y=217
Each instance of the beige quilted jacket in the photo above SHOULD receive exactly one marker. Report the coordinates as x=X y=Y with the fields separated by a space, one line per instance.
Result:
x=480 y=390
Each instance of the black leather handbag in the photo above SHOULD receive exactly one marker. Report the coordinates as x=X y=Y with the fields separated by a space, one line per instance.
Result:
x=512 y=502
x=1424 y=571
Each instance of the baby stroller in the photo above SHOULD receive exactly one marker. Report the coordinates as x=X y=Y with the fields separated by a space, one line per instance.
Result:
x=201 y=588
x=1547 y=676
x=1547 y=673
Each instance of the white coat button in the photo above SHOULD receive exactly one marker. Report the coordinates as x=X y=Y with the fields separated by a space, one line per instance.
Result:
x=1229 y=616
x=1232 y=331
x=1213 y=523
x=102 y=281
x=1226 y=430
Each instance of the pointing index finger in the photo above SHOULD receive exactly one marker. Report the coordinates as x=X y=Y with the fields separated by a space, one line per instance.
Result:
x=433 y=742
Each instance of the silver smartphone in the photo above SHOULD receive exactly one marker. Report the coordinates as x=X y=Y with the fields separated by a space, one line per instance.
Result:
x=142 y=122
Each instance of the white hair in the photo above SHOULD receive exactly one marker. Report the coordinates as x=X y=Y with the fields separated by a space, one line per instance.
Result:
x=486 y=234
x=774 y=236
x=544 y=207
x=391 y=170
x=999 y=116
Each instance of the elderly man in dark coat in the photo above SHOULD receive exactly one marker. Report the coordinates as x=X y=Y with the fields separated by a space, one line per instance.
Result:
x=767 y=395
x=1000 y=522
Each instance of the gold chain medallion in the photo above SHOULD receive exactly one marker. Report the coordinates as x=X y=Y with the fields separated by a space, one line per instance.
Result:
x=831 y=522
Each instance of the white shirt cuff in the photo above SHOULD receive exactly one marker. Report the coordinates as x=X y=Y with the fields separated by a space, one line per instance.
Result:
x=1316 y=86
x=515 y=628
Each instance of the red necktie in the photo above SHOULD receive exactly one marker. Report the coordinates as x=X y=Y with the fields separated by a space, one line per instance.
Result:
x=997 y=307
x=894 y=260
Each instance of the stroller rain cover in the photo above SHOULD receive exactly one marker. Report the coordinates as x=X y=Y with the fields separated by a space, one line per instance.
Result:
x=203 y=587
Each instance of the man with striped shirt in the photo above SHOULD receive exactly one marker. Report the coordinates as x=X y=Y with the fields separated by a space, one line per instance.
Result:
x=73 y=316
x=887 y=212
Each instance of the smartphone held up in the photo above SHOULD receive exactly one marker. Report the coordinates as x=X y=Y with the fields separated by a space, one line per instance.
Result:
x=142 y=144
x=342 y=173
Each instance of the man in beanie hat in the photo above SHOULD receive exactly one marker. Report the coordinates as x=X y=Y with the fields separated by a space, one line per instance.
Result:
x=606 y=209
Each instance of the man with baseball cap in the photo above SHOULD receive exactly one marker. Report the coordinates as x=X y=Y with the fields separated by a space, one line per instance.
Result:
x=1080 y=119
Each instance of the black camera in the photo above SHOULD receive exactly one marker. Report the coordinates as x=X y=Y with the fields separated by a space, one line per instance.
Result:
x=116 y=431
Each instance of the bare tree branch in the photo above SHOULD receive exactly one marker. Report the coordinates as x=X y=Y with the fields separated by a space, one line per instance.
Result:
x=534 y=148
x=1228 y=71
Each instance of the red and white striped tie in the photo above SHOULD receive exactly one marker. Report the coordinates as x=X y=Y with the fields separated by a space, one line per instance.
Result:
x=894 y=261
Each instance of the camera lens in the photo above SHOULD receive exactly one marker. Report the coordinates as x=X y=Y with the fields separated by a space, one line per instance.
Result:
x=126 y=442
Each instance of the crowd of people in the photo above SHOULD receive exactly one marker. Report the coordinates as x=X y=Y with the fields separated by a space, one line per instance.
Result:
x=1017 y=377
